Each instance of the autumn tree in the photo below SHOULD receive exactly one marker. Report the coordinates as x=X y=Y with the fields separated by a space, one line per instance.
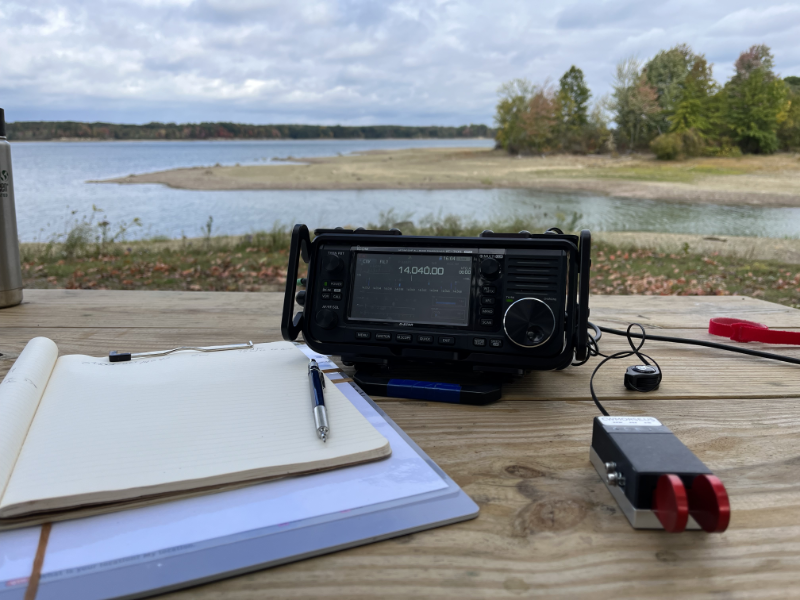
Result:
x=539 y=121
x=526 y=117
x=666 y=72
x=511 y=108
x=634 y=103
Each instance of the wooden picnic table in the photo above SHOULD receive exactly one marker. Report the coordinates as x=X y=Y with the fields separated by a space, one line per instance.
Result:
x=547 y=526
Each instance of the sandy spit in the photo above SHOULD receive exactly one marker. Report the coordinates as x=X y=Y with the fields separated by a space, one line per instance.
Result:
x=752 y=180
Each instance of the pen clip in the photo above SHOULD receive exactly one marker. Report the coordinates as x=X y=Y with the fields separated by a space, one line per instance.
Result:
x=313 y=366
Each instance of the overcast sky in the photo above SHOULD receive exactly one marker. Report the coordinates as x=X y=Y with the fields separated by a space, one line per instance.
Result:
x=349 y=62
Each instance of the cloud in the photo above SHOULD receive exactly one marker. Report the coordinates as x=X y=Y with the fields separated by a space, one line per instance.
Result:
x=344 y=61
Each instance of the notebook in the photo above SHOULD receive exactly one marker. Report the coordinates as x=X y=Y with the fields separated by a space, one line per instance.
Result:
x=166 y=546
x=80 y=435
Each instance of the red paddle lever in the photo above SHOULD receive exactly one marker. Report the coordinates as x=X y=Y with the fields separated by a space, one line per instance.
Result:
x=670 y=503
x=709 y=504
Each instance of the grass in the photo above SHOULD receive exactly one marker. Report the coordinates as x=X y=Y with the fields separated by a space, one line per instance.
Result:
x=646 y=168
x=87 y=257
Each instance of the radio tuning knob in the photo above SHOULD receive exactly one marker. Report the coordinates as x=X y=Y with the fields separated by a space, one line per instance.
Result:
x=326 y=318
x=529 y=322
x=301 y=298
x=332 y=264
x=490 y=268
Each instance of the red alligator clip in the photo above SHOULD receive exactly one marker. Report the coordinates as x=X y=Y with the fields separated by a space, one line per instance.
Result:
x=740 y=330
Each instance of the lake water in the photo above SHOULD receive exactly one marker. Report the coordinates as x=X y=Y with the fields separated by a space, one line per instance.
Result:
x=50 y=184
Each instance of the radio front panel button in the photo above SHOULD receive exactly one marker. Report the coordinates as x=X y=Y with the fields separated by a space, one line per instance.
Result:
x=326 y=318
x=336 y=297
x=363 y=335
x=383 y=337
x=403 y=337
x=487 y=311
x=496 y=343
x=332 y=264
x=447 y=341
x=488 y=289
x=325 y=296
x=425 y=339
x=479 y=341
x=337 y=284
x=490 y=268
x=487 y=322
x=487 y=300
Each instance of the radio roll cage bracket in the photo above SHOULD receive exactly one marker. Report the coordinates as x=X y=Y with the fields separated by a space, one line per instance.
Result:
x=298 y=248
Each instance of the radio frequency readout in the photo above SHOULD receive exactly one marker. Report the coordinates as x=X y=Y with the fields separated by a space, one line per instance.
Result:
x=425 y=289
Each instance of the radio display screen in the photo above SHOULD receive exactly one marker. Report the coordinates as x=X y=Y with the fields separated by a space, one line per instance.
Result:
x=431 y=289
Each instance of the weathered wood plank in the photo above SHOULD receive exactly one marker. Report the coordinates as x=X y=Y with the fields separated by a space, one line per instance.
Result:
x=548 y=527
x=676 y=312
x=179 y=310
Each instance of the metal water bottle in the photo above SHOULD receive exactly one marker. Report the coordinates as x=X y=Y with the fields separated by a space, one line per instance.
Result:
x=10 y=272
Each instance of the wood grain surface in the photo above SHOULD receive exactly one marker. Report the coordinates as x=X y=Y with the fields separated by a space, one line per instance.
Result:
x=547 y=527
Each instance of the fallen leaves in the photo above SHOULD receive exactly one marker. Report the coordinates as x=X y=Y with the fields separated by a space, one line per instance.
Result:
x=192 y=270
x=653 y=273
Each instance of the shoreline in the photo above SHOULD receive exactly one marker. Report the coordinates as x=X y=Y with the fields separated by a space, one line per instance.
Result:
x=248 y=139
x=772 y=181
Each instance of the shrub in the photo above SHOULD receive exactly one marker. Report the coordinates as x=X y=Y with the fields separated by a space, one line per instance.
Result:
x=724 y=148
x=667 y=146
x=678 y=145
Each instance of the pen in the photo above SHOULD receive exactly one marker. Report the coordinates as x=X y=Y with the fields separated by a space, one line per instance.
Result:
x=316 y=383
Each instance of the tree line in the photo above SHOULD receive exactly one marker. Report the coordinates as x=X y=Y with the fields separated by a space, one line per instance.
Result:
x=54 y=130
x=670 y=104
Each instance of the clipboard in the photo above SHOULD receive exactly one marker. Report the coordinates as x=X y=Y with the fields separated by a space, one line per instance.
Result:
x=167 y=565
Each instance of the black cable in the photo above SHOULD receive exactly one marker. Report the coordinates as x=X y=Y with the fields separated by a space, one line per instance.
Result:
x=663 y=338
x=595 y=351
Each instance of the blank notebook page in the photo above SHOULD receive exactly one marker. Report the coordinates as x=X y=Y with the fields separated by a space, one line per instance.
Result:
x=177 y=423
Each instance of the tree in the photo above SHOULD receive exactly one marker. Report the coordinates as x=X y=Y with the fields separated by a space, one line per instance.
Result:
x=634 y=103
x=514 y=98
x=789 y=130
x=666 y=73
x=526 y=117
x=692 y=108
x=573 y=99
x=572 y=112
x=756 y=101
x=539 y=121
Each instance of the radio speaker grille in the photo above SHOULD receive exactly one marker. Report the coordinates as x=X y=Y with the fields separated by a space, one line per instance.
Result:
x=533 y=276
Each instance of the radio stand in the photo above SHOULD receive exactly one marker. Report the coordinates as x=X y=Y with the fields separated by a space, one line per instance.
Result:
x=380 y=382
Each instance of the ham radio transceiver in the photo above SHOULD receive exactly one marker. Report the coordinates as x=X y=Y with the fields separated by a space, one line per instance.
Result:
x=494 y=304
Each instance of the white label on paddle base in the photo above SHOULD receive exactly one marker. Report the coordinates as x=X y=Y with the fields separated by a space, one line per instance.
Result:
x=630 y=421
